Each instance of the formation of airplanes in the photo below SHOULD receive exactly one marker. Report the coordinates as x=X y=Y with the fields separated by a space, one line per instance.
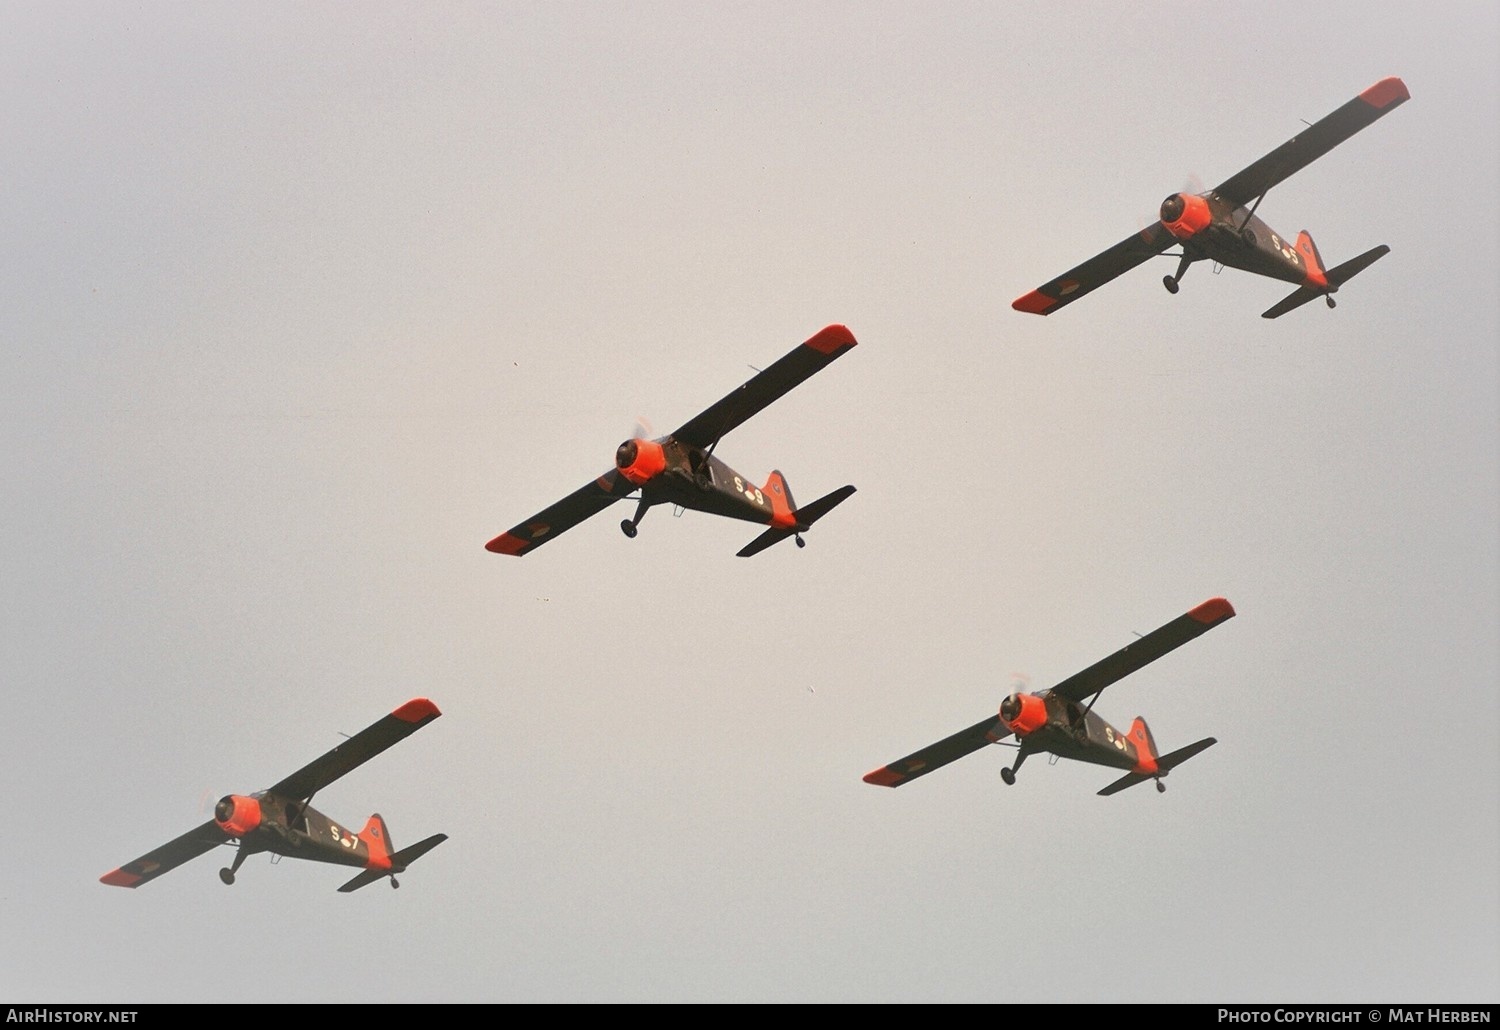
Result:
x=681 y=469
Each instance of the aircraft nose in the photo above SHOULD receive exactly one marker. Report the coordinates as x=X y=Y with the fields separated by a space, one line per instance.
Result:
x=1172 y=208
x=625 y=454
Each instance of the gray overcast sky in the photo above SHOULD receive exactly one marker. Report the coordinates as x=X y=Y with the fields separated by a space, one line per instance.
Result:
x=303 y=303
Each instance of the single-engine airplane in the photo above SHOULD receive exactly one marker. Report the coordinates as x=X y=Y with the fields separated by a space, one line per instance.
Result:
x=681 y=468
x=280 y=821
x=1221 y=226
x=1059 y=722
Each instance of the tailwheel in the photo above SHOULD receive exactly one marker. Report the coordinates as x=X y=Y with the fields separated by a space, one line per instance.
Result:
x=1170 y=282
x=227 y=876
x=628 y=528
x=1008 y=776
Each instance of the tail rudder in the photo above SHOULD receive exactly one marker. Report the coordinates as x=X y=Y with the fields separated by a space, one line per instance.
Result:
x=1311 y=260
x=779 y=493
x=1145 y=746
x=378 y=839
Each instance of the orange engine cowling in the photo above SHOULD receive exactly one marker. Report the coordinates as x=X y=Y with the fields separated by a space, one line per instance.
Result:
x=1185 y=215
x=640 y=460
x=237 y=815
x=1024 y=713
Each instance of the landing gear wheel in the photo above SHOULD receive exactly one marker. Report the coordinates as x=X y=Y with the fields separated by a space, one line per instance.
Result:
x=1330 y=300
x=801 y=542
x=628 y=528
x=395 y=884
x=1170 y=283
x=1009 y=777
x=226 y=876
x=1161 y=788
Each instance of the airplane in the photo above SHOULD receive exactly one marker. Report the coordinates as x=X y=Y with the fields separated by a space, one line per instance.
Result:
x=1221 y=226
x=1061 y=721
x=681 y=469
x=280 y=821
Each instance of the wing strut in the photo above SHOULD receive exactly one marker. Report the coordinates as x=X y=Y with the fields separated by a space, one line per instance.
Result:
x=1251 y=213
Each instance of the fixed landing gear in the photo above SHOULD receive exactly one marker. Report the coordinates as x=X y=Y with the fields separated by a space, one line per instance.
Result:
x=395 y=884
x=226 y=875
x=628 y=525
x=1171 y=281
x=800 y=541
x=1161 y=788
x=1009 y=775
x=1330 y=300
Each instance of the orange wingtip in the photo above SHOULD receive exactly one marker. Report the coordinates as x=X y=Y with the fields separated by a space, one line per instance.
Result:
x=120 y=878
x=885 y=776
x=1213 y=610
x=507 y=543
x=1385 y=93
x=1034 y=303
x=833 y=338
x=417 y=709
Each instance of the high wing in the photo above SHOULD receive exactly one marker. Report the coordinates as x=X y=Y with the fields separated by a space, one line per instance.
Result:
x=169 y=856
x=564 y=515
x=1313 y=142
x=935 y=756
x=1145 y=650
x=1096 y=271
x=812 y=356
x=358 y=749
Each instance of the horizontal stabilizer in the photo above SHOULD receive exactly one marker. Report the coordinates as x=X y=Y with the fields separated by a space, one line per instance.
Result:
x=1336 y=278
x=1164 y=765
x=1349 y=269
x=805 y=516
x=399 y=863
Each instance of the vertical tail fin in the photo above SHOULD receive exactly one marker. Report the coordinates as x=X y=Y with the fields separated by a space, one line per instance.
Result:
x=378 y=839
x=1312 y=260
x=1145 y=746
x=779 y=492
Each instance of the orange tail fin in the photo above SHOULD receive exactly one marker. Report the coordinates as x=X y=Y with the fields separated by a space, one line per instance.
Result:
x=1311 y=260
x=1145 y=746
x=378 y=839
x=783 y=508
